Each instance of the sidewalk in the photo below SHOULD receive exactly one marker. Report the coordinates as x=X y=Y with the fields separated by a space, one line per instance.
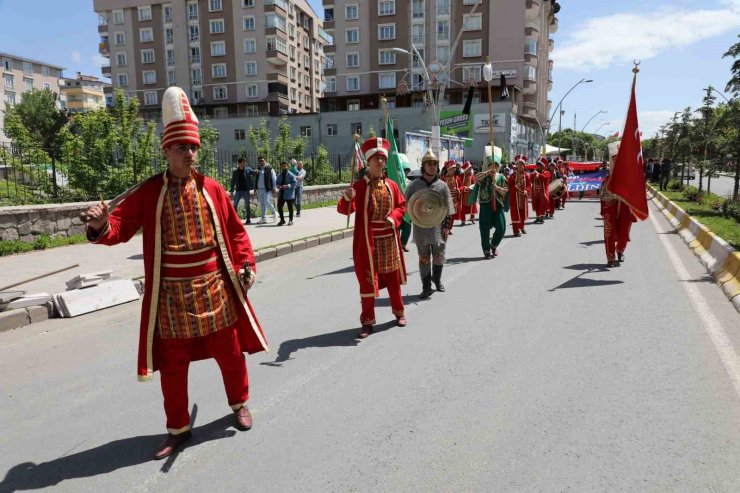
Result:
x=126 y=260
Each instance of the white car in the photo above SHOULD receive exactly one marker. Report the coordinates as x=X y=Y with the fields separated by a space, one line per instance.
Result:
x=687 y=172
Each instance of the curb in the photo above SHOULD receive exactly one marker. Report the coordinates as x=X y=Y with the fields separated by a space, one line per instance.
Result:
x=20 y=317
x=721 y=260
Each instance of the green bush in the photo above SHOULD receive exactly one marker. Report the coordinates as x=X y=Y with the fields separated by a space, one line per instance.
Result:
x=676 y=186
x=692 y=194
x=731 y=209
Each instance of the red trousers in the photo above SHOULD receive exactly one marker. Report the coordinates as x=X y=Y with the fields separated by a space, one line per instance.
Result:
x=617 y=225
x=174 y=357
x=392 y=281
x=540 y=203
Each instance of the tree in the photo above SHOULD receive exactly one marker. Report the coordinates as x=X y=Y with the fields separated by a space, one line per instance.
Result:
x=733 y=85
x=36 y=121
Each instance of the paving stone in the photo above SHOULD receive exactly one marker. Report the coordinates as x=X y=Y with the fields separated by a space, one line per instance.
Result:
x=297 y=246
x=283 y=249
x=324 y=239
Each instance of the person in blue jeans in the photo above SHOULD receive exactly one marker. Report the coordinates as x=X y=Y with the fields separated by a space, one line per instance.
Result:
x=265 y=187
x=242 y=184
x=300 y=176
x=286 y=184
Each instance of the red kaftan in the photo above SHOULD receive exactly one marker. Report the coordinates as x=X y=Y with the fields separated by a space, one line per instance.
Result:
x=519 y=183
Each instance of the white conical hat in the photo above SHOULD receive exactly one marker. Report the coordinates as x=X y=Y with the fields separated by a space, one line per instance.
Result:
x=178 y=117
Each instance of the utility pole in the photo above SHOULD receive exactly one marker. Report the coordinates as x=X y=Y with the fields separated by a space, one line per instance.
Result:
x=573 y=138
x=560 y=129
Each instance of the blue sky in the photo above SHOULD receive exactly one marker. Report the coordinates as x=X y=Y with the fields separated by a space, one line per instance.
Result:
x=680 y=43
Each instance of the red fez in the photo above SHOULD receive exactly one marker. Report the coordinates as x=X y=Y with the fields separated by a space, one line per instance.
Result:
x=466 y=166
x=375 y=145
x=543 y=162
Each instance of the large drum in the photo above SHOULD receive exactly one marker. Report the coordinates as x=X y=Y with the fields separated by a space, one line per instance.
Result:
x=557 y=188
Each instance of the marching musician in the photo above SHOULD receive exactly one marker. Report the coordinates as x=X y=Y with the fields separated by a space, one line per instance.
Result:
x=454 y=183
x=199 y=265
x=563 y=169
x=468 y=182
x=376 y=245
x=519 y=183
x=541 y=190
x=618 y=219
x=431 y=241
x=553 y=203
x=491 y=189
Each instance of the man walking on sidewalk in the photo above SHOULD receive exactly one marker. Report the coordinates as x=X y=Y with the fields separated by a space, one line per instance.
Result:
x=241 y=187
x=285 y=183
x=300 y=177
x=265 y=187
x=665 y=173
x=198 y=263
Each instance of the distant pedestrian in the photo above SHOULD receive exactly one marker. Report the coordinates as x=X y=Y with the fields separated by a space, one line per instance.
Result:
x=242 y=183
x=286 y=185
x=300 y=177
x=649 y=170
x=265 y=187
x=665 y=173
x=656 y=172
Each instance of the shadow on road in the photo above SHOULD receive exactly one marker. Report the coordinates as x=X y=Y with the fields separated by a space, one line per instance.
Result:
x=343 y=270
x=463 y=260
x=592 y=242
x=583 y=282
x=105 y=458
x=138 y=256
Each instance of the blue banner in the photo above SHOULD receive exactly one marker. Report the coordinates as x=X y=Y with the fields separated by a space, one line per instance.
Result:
x=586 y=182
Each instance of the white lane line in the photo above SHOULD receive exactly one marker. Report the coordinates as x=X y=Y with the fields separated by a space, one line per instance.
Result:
x=711 y=324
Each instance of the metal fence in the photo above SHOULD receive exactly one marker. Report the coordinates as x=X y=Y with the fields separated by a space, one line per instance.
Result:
x=38 y=176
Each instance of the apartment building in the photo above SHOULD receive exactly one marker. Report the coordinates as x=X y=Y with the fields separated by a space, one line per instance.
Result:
x=446 y=44
x=234 y=57
x=83 y=93
x=21 y=75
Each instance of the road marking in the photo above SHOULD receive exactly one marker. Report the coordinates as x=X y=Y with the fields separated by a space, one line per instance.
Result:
x=711 y=324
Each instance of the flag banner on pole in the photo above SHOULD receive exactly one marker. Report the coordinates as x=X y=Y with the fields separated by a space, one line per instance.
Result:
x=358 y=160
x=586 y=182
x=393 y=167
x=627 y=180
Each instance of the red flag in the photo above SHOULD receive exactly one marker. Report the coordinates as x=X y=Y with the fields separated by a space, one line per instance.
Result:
x=627 y=180
x=616 y=134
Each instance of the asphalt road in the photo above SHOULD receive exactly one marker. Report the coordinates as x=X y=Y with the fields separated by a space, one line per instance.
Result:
x=722 y=186
x=539 y=370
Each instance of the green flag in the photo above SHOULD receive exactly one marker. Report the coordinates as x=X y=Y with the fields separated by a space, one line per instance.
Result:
x=394 y=169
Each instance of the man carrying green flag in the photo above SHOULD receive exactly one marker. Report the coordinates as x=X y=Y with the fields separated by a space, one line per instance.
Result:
x=394 y=168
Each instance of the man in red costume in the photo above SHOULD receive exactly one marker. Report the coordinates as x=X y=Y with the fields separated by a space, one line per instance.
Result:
x=618 y=219
x=376 y=244
x=541 y=190
x=454 y=183
x=467 y=183
x=199 y=264
x=519 y=183
x=563 y=169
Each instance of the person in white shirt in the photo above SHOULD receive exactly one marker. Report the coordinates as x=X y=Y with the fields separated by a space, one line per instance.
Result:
x=300 y=176
x=265 y=187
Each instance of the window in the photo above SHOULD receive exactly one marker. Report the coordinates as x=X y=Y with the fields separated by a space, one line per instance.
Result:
x=471 y=73
x=417 y=59
x=387 y=80
x=306 y=81
x=167 y=12
x=197 y=96
x=218 y=48
x=146 y=34
x=170 y=58
x=386 y=32
x=214 y=6
x=472 y=48
x=218 y=70
x=305 y=130
x=247 y=3
x=120 y=39
x=120 y=59
x=291 y=31
x=417 y=9
x=353 y=83
x=417 y=34
x=470 y=2
x=149 y=76
x=293 y=72
x=352 y=36
x=197 y=77
x=216 y=26
x=250 y=68
x=387 y=7
x=293 y=95
x=355 y=128
x=473 y=22
x=275 y=20
x=331 y=129
x=192 y=11
x=28 y=84
x=220 y=93
x=147 y=56
x=443 y=54
x=193 y=33
x=194 y=54
x=253 y=110
x=443 y=30
x=150 y=98
x=248 y=21
x=44 y=71
x=171 y=78
x=9 y=98
x=530 y=72
x=27 y=68
x=169 y=36
x=351 y=12
x=252 y=90
x=123 y=80
x=530 y=46
x=103 y=19
x=240 y=134
x=9 y=81
x=330 y=84
x=118 y=17
x=145 y=13
x=390 y=103
x=47 y=85
x=353 y=59
x=250 y=45
x=443 y=7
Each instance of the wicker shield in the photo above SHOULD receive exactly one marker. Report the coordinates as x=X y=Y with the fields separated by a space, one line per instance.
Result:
x=427 y=208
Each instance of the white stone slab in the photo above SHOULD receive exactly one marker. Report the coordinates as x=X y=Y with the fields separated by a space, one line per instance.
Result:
x=36 y=299
x=7 y=296
x=88 y=279
x=104 y=295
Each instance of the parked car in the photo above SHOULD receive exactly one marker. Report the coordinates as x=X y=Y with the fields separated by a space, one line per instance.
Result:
x=687 y=172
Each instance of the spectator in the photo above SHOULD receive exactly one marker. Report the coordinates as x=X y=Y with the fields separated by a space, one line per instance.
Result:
x=300 y=176
x=656 y=172
x=242 y=183
x=665 y=173
x=265 y=187
x=649 y=170
x=286 y=185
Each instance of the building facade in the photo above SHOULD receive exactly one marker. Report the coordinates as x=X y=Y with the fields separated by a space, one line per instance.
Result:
x=234 y=57
x=401 y=48
x=21 y=75
x=83 y=93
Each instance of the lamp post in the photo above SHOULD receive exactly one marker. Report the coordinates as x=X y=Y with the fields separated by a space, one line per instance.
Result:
x=582 y=81
x=596 y=132
x=590 y=119
x=488 y=77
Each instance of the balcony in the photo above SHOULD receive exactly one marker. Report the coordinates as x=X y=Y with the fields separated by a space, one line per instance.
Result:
x=530 y=87
x=104 y=48
x=529 y=109
x=330 y=48
x=103 y=28
x=533 y=9
x=532 y=27
x=329 y=25
x=551 y=44
x=271 y=4
x=276 y=57
x=554 y=25
x=105 y=70
x=278 y=76
x=330 y=71
x=279 y=97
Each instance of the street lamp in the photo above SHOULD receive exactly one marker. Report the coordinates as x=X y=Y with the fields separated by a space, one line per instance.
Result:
x=549 y=121
x=596 y=132
x=589 y=120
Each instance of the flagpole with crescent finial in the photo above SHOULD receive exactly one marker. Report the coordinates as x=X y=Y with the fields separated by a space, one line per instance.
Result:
x=355 y=142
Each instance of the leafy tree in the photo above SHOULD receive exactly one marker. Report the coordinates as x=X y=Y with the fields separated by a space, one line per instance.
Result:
x=36 y=121
x=259 y=137
x=733 y=85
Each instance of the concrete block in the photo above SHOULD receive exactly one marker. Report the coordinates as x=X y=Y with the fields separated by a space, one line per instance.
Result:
x=267 y=253
x=257 y=256
x=283 y=249
x=337 y=235
x=324 y=239
x=80 y=301
x=13 y=319
x=297 y=246
x=39 y=313
x=312 y=242
x=349 y=233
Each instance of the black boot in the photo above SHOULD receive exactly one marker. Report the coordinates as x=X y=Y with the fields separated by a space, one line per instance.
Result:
x=437 y=277
x=426 y=283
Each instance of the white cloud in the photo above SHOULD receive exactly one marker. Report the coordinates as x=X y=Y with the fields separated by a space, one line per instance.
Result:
x=620 y=38
x=76 y=57
x=651 y=121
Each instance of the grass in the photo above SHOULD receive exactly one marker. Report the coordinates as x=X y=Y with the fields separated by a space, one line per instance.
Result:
x=724 y=227
x=42 y=242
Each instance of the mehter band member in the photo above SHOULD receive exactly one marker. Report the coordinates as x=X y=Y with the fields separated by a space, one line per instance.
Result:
x=491 y=191
x=541 y=190
x=519 y=183
x=376 y=245
x=468 y=182
x=199 y=264
x=618 y=219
